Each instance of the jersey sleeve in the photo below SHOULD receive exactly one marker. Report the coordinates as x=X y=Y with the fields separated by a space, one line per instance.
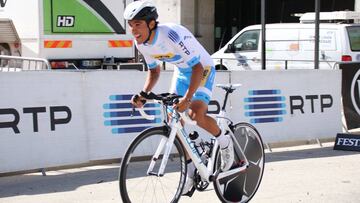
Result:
x=185 y=44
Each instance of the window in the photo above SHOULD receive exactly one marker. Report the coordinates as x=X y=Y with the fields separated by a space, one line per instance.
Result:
x=354 y=33
x=248 y=40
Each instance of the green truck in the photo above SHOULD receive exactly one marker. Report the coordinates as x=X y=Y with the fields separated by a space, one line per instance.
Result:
x=68 y=33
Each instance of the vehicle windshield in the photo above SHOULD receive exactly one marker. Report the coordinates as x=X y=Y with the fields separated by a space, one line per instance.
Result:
x=248 y=41
x=354 y=33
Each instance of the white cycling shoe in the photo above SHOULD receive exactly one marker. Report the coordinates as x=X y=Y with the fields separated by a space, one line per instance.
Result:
x=189 y=187
x=227 y=155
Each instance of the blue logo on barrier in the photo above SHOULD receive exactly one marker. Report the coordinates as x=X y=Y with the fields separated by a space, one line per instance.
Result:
x=118 y=115
x=265 y=106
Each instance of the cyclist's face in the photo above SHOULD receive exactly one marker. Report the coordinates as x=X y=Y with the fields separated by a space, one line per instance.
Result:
x=139 y=30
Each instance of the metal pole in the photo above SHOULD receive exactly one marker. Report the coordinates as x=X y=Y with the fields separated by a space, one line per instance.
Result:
x=263 y=41
x=317 y=26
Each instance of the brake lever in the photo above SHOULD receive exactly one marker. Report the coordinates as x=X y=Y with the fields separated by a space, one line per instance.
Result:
x=133 y=111
x=133 y=107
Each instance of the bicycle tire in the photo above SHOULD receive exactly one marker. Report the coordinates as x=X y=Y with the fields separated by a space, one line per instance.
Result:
x=135 y=183
x=243 y=188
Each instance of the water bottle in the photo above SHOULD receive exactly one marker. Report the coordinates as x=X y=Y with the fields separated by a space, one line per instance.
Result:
x=199 y=146
x=194 y=137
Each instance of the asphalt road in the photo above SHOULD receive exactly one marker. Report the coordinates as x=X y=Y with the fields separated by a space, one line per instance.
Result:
x=298 y=174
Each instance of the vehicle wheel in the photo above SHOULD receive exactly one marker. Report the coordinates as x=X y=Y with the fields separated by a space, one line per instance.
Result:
x=220 y=67
x=136 y=185
x=244 y=186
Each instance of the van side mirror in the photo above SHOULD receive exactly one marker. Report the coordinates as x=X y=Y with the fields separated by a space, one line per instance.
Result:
x=230 y=48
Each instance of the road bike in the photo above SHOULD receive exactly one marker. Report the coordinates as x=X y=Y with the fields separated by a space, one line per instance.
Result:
x=153 y=168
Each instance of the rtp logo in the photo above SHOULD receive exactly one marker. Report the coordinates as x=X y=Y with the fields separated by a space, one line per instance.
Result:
x=265 y=106
x=118 y=115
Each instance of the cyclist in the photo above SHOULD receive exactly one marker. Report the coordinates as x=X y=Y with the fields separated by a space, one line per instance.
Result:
x=193 y=78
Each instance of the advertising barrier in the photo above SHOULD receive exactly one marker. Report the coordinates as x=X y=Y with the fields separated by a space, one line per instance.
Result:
x=289 y=105
x=52 y=119
x=351 y=93
x=347 y=142
x=351 y=106
x=41 y=120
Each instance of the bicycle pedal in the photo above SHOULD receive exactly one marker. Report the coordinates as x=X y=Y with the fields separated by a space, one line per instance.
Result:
x=237 y=164
x=240 y=163
x=190 y=193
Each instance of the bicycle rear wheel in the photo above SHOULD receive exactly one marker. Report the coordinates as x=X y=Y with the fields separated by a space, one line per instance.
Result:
x=136 y=185
x=244 y=186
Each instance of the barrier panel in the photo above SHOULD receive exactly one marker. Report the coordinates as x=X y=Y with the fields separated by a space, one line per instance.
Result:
x=41 y=120
x=289 y=105
x=351 y=94
x=52 y=119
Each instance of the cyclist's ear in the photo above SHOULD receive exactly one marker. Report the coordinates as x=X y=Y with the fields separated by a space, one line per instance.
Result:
x=152 y=24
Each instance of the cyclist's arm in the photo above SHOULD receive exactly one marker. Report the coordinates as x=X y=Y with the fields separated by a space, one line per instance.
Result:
x=152 y=78
x=196 y=76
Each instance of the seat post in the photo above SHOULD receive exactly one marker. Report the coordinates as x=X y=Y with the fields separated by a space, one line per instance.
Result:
x=226 y=98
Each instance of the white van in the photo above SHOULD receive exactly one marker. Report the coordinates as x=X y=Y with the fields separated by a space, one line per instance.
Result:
x=291 y=45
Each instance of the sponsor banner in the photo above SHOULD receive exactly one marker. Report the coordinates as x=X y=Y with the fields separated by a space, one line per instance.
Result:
x=110 y=125
x=41 y=120
x=348 y=142
x=351 y=94
x=289 y=105
x=60 y=118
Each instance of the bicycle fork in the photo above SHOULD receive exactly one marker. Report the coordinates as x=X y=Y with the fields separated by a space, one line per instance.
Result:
x=167 y=143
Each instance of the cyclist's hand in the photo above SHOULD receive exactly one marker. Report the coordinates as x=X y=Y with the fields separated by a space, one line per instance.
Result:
x=183 y=104
x=138 y=101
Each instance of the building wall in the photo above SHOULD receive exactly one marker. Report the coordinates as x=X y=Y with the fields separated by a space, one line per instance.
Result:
x=357 y=8
x=196 y=15
x=199 y=17
x=169 y=10
x=357 y=5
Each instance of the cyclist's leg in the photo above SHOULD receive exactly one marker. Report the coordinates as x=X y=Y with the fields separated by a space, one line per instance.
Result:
x=198 y=110
x=199 y=107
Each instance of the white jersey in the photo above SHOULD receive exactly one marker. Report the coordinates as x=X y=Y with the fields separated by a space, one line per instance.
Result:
x=175 y=44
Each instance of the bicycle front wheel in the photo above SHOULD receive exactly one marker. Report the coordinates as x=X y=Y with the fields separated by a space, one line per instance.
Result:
x=244 y=186
x=136 y=185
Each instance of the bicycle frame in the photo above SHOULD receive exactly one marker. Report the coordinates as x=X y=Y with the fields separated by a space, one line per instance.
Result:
x=206 y=171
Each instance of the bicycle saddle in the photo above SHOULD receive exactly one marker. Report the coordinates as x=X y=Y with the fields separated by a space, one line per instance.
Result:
x=228 y=87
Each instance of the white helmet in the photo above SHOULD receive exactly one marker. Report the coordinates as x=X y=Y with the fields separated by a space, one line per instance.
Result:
x=141 y=10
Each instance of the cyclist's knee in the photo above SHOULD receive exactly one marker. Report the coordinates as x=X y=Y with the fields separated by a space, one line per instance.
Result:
x=197 y=116
x=198 y=111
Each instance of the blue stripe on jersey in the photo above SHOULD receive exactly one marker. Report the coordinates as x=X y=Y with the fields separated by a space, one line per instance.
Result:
x=152 y=65
x=175 y=58
x=194 y=61
x=185 y=70
x=174 y=36
x=155 y=38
